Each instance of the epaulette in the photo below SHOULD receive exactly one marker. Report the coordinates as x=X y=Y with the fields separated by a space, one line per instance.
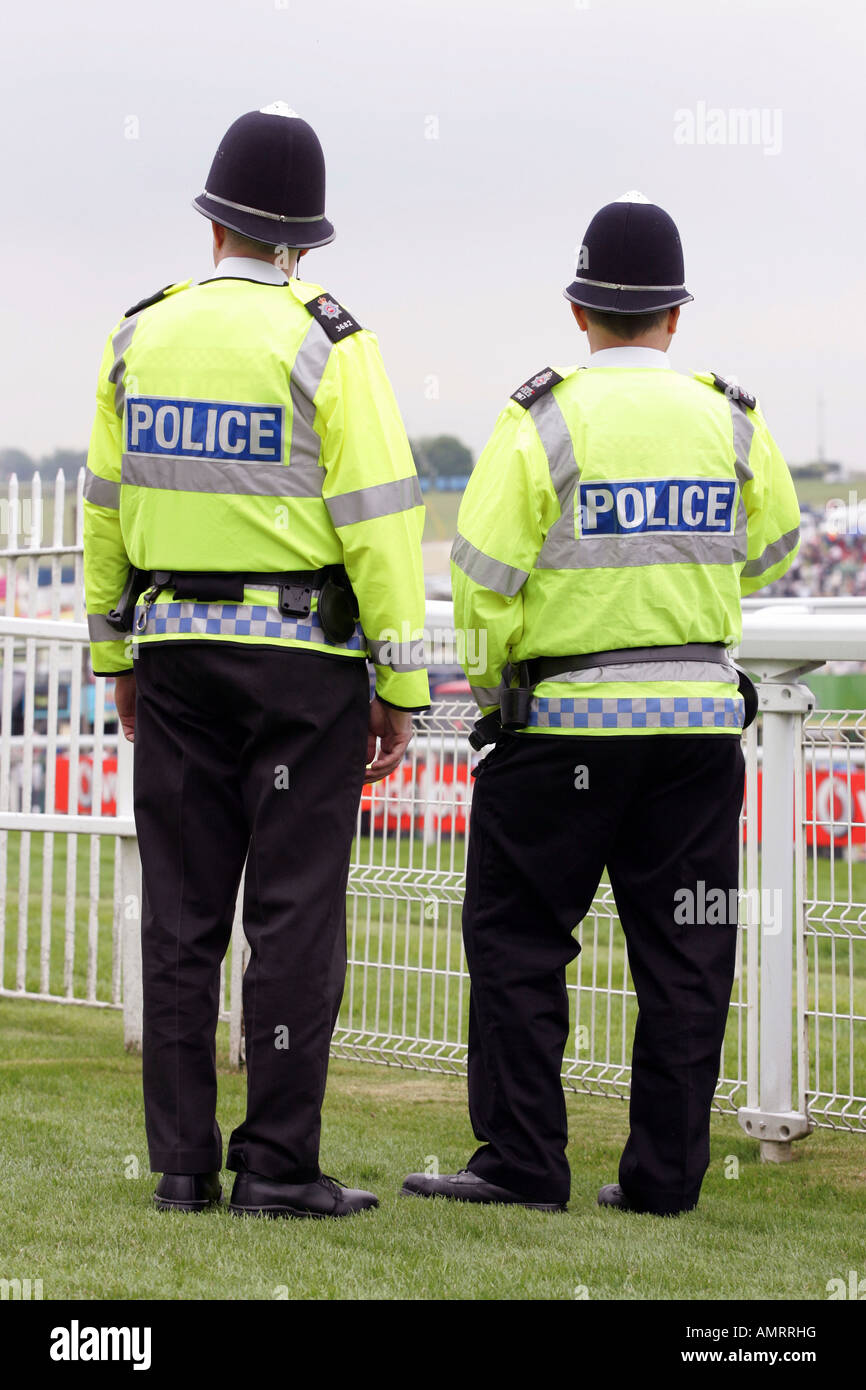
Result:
x=336 y=321
x=734 y=391
x=537 y=386
x=146 y=303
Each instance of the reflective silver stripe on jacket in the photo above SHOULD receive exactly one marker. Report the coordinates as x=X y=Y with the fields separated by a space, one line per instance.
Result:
x=102 y=492
x=398 y=656
x=484 y=695
x=484 y=570
x=661 y=712
x=650 y=671
x=772 y=554
x=99 y=629
x=305 y=379
x=380 y=499
x=743 y=428
x=120 y=343
x=559 y=548
x=175 y=474
x=622 y=552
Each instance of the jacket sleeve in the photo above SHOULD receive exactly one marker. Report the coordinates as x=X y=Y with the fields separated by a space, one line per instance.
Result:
x=106 y=563
x=772 y=509
x=507 y=510
x=374 y=501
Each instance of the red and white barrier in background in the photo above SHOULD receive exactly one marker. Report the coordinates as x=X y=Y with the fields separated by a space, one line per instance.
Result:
x=437 y=797
x=835 y=802
x=84 y=789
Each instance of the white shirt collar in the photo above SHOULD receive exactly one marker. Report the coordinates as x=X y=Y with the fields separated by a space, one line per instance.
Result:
x=629 y=357
x=248 y=268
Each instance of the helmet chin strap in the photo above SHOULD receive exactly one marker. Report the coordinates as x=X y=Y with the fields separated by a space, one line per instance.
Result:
x=290 y=268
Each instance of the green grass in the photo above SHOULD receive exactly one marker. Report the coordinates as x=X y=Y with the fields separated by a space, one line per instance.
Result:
x=441 y=520
x=71 y=1124
x=814 y=492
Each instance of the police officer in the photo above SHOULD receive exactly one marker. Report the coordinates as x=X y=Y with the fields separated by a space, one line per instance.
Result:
x=609 y=529
x=250 y=482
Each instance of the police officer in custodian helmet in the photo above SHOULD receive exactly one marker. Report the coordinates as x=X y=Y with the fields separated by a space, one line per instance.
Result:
x=609 y=529
x=252 y=535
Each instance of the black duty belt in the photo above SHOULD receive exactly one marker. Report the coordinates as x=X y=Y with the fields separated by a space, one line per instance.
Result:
x=296 y=587
x=542 y=668
x=515 y=702
x=337 y=607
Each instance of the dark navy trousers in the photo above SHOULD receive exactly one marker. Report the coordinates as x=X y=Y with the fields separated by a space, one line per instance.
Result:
x=256 y=754
x=549 y=813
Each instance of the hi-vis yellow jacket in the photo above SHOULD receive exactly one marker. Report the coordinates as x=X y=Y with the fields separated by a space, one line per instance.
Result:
x=249 y=426
x=620 y=507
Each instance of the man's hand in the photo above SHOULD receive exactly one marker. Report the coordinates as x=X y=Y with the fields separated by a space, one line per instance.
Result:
x=393 y=728
x=124 y=699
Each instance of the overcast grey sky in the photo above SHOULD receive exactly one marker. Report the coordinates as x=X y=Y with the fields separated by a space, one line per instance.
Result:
x=453 y=249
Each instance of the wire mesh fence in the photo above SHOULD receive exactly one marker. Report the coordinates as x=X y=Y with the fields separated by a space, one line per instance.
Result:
x=833 y=889
x=407 y=992
x=65 y=828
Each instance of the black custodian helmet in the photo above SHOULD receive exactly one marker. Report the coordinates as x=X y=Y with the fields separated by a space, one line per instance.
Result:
x=631 y=260
x=267 y=180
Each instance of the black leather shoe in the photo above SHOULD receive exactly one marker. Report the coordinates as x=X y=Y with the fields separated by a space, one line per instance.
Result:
x=468 y=1187
x=612 y=1195
x=187 y=1191
x=255 y=1195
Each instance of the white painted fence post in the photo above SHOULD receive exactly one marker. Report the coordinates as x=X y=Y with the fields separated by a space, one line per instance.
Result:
x=774 y=1121
x=130 y=881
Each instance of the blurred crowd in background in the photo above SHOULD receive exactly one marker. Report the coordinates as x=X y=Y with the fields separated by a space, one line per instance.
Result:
x=831 y=563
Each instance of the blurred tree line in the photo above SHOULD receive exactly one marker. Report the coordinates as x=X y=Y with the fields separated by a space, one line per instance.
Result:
x=16 y=461
x=443 y=456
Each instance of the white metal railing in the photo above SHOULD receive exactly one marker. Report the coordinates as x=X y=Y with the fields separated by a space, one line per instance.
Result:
x=795 y=1052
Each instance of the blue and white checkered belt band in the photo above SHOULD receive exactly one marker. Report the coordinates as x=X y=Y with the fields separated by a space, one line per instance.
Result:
x=636 y=712
x=240 y=620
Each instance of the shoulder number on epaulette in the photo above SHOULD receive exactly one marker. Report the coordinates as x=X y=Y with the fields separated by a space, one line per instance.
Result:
x=336 y=321
x=146 y=303
x=734 y=392
x=537 y=386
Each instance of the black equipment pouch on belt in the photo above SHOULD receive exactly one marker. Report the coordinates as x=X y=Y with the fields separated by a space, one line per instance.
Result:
x=515 y=702
x=337 y=606
x=204 y=586
x=749 y=692
x=121 y=617
x=296 y=587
